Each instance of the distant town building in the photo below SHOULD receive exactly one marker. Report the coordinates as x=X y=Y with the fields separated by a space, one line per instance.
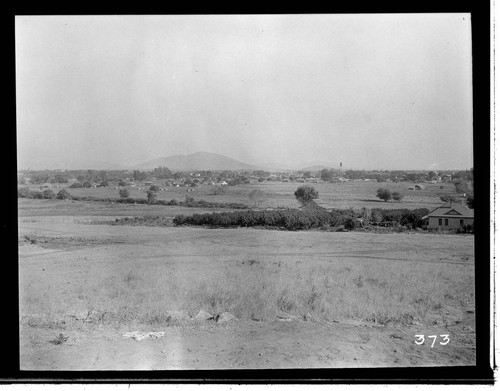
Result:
x=417 y=187
x=316 y=205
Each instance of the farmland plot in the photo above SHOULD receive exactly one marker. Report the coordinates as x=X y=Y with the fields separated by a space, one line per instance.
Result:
x=355 y=194
x=300 y=299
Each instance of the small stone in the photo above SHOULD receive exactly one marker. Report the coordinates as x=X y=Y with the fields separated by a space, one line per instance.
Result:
x=225 y=317
x=178 y=316
x=202 y=315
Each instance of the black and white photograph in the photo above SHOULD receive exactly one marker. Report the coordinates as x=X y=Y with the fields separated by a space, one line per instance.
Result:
x=254 y=191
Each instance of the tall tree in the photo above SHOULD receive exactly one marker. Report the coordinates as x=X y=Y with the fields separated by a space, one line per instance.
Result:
x=258 y=196
x=326 y=175
x=431 y=175
x=139 y=175
x=396 y=196
x=384 y=194
x=162 y=173
x=124 y=193
x=305 y=193
x=63 y=195
x=151 y=197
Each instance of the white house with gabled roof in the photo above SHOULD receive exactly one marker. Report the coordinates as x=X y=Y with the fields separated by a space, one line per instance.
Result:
x=450 y=215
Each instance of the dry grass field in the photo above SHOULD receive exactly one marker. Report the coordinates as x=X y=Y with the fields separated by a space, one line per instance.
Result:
x=301 y=299
x=355 y=194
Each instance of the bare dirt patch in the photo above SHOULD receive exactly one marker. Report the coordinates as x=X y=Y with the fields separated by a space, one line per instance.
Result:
x=66 y=242
x=241 y=345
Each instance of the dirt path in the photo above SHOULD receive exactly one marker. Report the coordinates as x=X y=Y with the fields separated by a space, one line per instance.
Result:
x=242 y=345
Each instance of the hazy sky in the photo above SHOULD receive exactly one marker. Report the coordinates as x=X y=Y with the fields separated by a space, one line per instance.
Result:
x=373 y=91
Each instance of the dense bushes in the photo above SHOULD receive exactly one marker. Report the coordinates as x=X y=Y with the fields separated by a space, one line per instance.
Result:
x=395 y=215
x=404 y=217
x=192 y=203
x=294 y=219
x=415 y=218
x=23 y=192
x=351 y=224
x=340 y=217
x=189 y=202
x=290 y=219
x=63 y=195
x=468 y=229
x=150 y=221
x=46 y=194
x=130 y=200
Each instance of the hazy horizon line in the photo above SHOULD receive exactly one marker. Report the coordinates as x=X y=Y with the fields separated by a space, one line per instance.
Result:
x=93 y=165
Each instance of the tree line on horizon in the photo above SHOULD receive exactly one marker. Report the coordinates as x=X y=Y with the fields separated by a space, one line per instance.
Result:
x=327 y=175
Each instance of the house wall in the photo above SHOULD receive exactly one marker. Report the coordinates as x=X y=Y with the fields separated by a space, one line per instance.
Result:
x=453 y=222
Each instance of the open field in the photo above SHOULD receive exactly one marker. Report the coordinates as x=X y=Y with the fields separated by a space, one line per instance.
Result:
x=29 y=209
x=302 y=299
x=355 y=194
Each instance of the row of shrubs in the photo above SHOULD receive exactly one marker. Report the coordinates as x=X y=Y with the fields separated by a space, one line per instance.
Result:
x=46 y=194
x=467 y=229
x=403 y=217
x=152 y=221
x=294 y=219
x=291 y=220
x=87 y=184
x=188 y=202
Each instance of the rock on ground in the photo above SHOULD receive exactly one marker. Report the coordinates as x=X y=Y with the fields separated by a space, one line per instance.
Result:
x=225 y=317
x=202 y=315
x=178 y=316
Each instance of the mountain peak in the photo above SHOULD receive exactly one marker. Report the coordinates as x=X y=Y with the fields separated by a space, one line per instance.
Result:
x=201 y=160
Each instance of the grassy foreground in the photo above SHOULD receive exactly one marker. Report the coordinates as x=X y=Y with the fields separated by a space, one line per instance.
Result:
x=401 y=294
x=347 y=279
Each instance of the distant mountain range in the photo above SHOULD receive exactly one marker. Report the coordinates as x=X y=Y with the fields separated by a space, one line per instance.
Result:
x=191 y=162
x=196 y=161
x=309 y=166
x=214 y=161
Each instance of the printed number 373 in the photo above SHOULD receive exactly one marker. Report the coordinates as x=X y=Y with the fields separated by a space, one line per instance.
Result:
x=421 y=339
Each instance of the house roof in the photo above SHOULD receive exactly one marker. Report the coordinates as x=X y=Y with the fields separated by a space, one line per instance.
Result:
x=451 y=209
x=316 y=203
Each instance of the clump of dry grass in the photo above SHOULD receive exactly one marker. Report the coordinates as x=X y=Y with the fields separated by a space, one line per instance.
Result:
x=373 y=292
x=148 y=290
